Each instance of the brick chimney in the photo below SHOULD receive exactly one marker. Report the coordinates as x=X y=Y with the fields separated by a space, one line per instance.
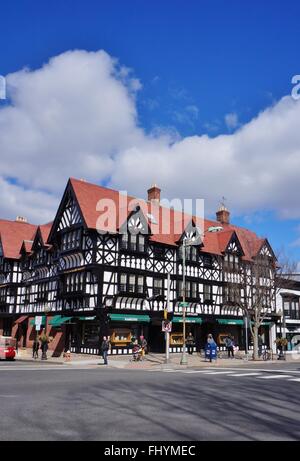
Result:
x=223 y=215
x=154 y=194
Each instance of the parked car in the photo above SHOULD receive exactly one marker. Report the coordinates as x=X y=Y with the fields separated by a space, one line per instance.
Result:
x=7 y=348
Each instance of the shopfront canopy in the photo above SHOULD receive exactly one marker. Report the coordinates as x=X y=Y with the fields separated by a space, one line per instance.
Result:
x=231 y=321
x=58 y=320
x=129 y=318
x=187 y=319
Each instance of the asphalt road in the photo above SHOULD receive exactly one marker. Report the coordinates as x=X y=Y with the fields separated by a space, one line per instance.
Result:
x=51 y=402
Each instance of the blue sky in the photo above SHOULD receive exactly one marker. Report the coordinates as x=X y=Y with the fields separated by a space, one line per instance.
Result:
x=205 y=67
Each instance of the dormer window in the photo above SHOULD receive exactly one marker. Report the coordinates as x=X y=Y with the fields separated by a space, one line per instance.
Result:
x=231 y=262
x=191 y=253
x=133 y=242
x=71 y=240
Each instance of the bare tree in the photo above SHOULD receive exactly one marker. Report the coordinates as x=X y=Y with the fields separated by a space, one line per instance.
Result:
x=252 y=286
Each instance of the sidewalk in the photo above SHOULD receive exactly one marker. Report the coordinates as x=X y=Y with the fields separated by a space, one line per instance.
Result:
x=151 y=361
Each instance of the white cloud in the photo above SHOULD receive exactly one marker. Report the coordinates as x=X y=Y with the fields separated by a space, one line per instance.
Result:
x=77 y=116
x=231 y=120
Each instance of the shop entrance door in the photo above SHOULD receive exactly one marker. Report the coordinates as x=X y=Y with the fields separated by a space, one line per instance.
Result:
x=24 y=333
x=206 y=329
x=156 y=341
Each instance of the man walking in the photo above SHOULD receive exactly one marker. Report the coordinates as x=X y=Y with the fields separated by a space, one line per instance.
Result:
x=229 y=344
x=105 y=349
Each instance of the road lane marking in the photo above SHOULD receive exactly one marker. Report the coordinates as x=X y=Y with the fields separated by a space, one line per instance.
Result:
x=220 y=372
x=246 y=374
x=275 y=376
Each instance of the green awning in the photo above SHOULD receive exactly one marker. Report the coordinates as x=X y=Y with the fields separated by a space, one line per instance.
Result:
x=187 y=319
x=231 y=322
x=58 y=320
x=87 y=318
x=129 y=318
x=32 y=321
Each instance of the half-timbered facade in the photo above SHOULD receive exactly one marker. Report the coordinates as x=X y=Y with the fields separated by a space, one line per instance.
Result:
x=101 y=267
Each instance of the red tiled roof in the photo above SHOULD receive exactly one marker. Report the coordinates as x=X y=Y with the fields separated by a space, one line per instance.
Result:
x=45 y=231
x=88 y=195
x=12 y=234
x=27 y=244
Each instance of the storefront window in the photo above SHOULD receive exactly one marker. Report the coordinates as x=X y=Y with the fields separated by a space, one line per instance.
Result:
x=90 y=333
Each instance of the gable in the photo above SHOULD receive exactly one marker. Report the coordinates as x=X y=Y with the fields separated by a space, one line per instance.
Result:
x=136 y=223
x=234 y=246
x=38 y=241
x=192 y=234
x=266 y=250
x=68 y=213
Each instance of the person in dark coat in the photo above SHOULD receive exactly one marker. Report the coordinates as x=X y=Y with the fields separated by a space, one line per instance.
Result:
x=35 y=348
x=190 y=341
x=229 y=344
x=105 y=349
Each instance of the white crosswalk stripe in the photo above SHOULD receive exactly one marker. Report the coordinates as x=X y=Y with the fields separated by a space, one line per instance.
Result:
x=260 y=374
x=275 y=376
x=246 y=374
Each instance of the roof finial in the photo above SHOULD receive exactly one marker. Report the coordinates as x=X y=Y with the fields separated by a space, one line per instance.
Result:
x=223 y=204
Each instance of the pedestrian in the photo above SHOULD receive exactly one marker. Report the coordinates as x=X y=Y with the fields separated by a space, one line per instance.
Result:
x=35 y=348
x=190 y=341
x=105 y=349
x=44 y=344
x=260 y=345
x=210 y=348
x=229 y=345
x=143 y=345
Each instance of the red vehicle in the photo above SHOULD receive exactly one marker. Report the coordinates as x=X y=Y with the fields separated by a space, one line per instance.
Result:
x=7 y=348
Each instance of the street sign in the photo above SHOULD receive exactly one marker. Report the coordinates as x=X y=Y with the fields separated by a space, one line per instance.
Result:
x=184 y=304
x=38 y=322
x=166 y=326
x=38 y=319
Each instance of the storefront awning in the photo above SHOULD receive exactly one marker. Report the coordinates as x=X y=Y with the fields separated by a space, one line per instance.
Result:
x=58 y=320
x=129 y=318
x=231 y=321
x=187 y=319
x=32 y=321
x=21 y=319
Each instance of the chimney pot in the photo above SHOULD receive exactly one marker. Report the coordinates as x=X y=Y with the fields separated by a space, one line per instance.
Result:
x=21 y=219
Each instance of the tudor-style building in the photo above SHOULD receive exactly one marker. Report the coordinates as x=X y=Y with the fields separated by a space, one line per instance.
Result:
x=101 y=267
